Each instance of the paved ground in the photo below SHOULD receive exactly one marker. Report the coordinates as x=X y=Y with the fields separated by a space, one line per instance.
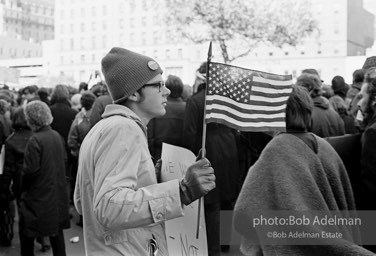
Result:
x=73 y=249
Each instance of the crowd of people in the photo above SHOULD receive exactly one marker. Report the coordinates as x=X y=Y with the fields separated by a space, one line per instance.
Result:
x=98 y=149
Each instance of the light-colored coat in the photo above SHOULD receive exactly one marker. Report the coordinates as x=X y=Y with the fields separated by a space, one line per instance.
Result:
x=116 y=191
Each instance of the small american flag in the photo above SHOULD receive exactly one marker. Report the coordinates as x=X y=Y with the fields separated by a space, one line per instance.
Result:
x=246 y=100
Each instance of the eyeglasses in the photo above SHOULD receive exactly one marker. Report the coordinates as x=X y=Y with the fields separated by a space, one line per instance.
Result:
x=158 y=84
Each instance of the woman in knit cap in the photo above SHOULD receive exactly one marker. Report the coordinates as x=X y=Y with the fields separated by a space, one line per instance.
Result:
x=44 y=209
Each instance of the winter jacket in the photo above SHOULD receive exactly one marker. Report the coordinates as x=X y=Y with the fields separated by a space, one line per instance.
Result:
x=15 y=147
x=44 y=207
x=79 y=128
x=368 y=165
x=326 y=122
x=116 y=190
x=167 y=128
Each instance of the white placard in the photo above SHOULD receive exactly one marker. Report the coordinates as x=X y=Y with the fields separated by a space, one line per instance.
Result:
x=181 y=232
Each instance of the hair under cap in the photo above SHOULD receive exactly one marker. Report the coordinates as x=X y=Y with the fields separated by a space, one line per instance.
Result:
x=38 y=114
x=125 y=72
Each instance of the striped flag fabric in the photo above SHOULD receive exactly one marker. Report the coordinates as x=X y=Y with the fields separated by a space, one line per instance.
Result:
x=246 y=100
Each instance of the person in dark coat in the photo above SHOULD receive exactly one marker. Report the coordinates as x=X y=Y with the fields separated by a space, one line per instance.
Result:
x=326 y=122
x=221 y=149
x=44 y=204
x=168 y=128
x=63 y=116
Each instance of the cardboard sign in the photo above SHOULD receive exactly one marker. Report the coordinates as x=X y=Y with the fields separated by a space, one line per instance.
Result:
x=181 y=232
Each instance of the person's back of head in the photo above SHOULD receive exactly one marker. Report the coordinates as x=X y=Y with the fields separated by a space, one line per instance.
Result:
x=82 y=87
x=60 y=94
x=87 y=100
x=19 y=119
x=299 y=110
x=311 y=82
x=339 y=86
x=312 y=71
x=175 y=85
x=358 y=76
x=43 y=95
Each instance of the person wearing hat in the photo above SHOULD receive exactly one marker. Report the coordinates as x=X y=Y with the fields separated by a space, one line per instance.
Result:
x=123 y=206
x=44 y=201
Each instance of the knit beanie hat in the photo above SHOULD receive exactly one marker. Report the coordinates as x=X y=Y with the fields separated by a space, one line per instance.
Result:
x=125 y=72
x=37 y=114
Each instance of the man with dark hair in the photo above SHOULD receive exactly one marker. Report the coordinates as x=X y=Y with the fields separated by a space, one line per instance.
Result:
x=123 y=206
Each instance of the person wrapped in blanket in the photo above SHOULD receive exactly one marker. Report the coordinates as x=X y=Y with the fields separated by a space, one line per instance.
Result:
x=296 y=172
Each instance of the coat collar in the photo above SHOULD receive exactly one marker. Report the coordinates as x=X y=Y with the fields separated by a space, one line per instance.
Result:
x=116 y=109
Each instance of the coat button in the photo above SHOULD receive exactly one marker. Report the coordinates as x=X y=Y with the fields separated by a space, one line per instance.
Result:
x=108 y=238
x=159 y=216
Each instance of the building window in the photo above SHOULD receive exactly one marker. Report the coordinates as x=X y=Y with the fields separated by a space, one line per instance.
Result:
x=82 y=27
x=168 y=56
x=131 y=23
x=270 y=54
x=121 y=24
x=82 y=43
x=72 y=28
x=104 y=25
x=93 y=58
x=336 y=51
x=302 y=52
x=104 y=9
x=131 y=38
x=180 y=53
x=93 y=44
x=155 y=54
x=71 y=43
x=82 y=58
x=143 y=21
x=72 y=13
x=104 y=41
x=83 y=12
x=93 y=26
x=143 y=38
x=286 y=53
x=93 y=11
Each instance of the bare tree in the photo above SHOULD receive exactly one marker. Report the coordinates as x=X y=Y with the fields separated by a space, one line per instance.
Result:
x=238 y=26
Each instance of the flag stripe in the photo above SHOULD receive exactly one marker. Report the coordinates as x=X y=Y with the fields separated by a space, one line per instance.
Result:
x=269 y=99
x=245 y=128
x=270 y=91
x=276 y=87
x=211 y=99
x=242 y=114
x=245 y=119
x=271 y=81
x=250 y=124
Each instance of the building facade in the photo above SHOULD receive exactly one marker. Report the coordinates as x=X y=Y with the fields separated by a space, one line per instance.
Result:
x=86 y=30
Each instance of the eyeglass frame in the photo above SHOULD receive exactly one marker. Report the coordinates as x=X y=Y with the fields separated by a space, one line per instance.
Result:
x=158 y=84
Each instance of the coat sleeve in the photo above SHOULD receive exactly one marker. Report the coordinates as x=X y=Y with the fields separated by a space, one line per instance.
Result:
x=120 y=199
x=190 y=130
x=73 y=137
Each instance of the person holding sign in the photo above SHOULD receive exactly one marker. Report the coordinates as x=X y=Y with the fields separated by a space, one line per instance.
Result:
x=123 y=207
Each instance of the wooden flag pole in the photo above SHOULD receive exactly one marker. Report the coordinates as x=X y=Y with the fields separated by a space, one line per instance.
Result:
x=203 y=151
